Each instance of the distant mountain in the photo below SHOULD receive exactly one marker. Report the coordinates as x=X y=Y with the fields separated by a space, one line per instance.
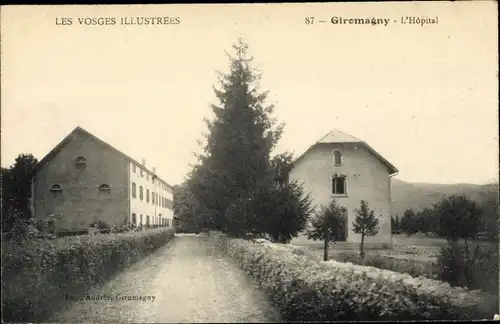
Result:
x=420 y=195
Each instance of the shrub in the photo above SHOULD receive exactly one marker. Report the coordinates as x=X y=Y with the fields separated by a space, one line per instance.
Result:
x=101 y=226
x=414 y=268
x=36 y=277
x=476 y=271
x=308 y=290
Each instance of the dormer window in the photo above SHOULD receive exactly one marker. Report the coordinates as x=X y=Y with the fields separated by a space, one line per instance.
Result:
x=81 y=162
x=104 y=187
x=56 y=188
x=337 y=157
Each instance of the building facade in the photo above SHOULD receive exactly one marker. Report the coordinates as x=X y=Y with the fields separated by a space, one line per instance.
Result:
x=84 y=179
x=342 y=167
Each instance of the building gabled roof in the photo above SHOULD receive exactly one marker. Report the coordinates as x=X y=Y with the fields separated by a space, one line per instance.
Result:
x=337 y=137
x=70 y=136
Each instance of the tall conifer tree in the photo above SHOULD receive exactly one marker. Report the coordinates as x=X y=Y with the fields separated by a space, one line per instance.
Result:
x=236 y=160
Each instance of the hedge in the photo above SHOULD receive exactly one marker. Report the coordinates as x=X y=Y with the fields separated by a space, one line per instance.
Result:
x=37 y=277
x=305 y=289
x=415 y=268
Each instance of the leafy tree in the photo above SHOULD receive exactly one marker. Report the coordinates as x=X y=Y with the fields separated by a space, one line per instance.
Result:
x=459 y=218
x=326 y=224
x=235 y=163
x=365 y=223
x=408 y=222
x=186 y=209
x=16 y=191
x=489 y=205
x=282 y=212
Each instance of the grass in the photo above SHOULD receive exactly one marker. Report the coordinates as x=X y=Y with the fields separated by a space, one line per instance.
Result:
x=414 y=247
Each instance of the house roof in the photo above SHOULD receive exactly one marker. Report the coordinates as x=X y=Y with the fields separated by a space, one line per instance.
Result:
x=336 y=136
x=70 y=136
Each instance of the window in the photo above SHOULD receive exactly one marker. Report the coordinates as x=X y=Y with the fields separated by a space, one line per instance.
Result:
x=147 y=220
x=147 y=195
x=339 y=185
x=134 y=168
x=142 y=173
x=56 y=188
x=168 y=222
x=104 y=187
x=169 y=204
x=141 y=193
x=134 y=190
x=134 y=220
x=153 y=198
x=140 y=220
x=337 y=157
x=81 y=162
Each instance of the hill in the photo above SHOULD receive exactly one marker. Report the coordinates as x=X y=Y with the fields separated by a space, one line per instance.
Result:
x=420 y=195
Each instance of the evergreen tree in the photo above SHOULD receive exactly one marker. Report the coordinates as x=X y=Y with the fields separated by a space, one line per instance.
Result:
x=235 y=164
x=365 y=223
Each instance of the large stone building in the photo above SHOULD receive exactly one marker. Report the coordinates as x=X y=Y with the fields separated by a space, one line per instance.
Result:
x=342 y=167
x=84 y=179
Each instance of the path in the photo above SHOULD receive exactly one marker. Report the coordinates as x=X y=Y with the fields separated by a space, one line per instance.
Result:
x=190 y=282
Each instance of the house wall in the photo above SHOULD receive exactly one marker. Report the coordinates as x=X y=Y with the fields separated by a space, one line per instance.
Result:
x=81 y=202
x=156 y=211
x=367 y=179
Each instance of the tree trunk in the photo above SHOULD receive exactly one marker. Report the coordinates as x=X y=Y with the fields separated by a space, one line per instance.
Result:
x=361 y=246
x=325 y=252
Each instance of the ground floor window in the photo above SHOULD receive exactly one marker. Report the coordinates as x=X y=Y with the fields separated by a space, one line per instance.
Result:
x=134 y=219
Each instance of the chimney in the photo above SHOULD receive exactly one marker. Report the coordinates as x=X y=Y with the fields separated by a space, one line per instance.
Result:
x=144 y=162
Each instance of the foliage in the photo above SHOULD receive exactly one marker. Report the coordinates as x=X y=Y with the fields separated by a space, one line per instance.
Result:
x=64 y=266
x=414 y=268
x=100 y=227
x=408 y=222
x=327 y=224
x=236 y=186
x=478 y=270
x=395 y=224
x=305 y=289
x=16 y=190
x=489 y=218
x=365 y=223
x=282 y=211
x=459 y=218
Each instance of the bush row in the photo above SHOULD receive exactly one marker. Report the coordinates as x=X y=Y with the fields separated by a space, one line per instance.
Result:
x=415 y=268
x=305 y=289
x=37 y=277
x=481 y=274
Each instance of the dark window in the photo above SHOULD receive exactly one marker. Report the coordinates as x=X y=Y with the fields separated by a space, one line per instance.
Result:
x=153 y=198
x=134 y=190
x=147 y=220
x=339 y=185
x=140 y=220
x=337 y=157
x=147 y=195
x=81 y=162
x=134 y=220
x=104 y=187
x=56 y=187
x=141 y=193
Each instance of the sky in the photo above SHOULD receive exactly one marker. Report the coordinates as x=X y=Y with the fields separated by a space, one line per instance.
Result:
x=425 y=97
